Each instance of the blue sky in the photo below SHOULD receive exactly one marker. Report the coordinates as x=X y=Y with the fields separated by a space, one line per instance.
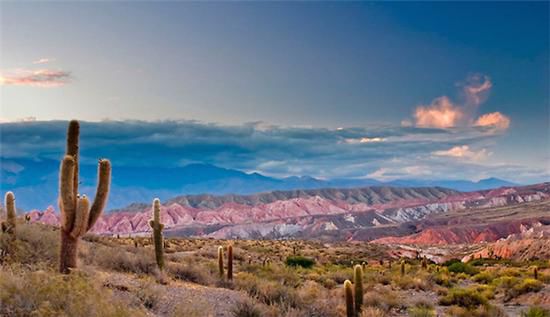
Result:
x=387 y=74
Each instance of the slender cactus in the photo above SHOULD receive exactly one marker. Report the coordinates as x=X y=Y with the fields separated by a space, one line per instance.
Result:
x=348 y=293
x=402 y=268
x=358 y=285
x=536 y=273
x=424 y=263
x=9 y=226
x=77 y=217
x=157 y=227
x=220 y=260
x=230 y=262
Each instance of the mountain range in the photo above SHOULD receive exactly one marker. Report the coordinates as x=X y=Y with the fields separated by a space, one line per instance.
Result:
x=35 y=182
x=394 y=215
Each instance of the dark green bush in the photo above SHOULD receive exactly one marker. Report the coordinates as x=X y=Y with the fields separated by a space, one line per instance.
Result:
x=459 y=267
x=451 y=262
x=300 y=261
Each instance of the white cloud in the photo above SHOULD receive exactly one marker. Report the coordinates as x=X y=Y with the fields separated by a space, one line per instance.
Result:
x=43 y=61
x=464 y=152
x=365 y=140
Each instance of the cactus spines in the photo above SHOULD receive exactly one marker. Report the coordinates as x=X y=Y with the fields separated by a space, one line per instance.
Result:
x=402 y=268
x=348 y=293
x=358 y=285
x=77 y=217
x=8 y=226
x=157 y=227
x=230 y=262
x=220 y=260
x=536 y=273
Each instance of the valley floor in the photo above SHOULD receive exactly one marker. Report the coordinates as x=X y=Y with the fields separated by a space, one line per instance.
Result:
x=118 y=277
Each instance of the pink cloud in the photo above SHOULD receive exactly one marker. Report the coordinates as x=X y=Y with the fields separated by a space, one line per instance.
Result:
x=36 y=78
x=477 y=89
x=441 y=113
x=495 y=120
x=444 y=113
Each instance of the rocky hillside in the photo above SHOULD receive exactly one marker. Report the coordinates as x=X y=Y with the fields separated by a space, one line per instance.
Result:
x=532 y=243
x=329 y=214
x=476 y=225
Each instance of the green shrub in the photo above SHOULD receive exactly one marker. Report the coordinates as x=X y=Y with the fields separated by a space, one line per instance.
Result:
x=463 y=297
x=459 y=267
x=441 y=279
x=451 y=262
x=484 y=277
x=536 y=312
x=526 y=286
x=298 y=260
x=421 y=312
x=514 y=286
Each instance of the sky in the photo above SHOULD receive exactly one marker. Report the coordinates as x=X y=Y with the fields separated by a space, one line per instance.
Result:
x=365 y=90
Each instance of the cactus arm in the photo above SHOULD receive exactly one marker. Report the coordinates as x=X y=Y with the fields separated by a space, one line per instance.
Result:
x=10 y=208
x=81 y=220
x=73 y=133
x=358 y=284
x=8 y=226
x=102 y=191
x=156 y=210
x=66 y=185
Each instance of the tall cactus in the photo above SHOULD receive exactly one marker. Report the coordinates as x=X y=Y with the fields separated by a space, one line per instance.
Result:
x=402 y=268
x=77 y=217
x=348 y=293
x=230 y=262
x=220 y=260
x=358 y=285
x=9 y=225
x=157 y=234
x=536 y=272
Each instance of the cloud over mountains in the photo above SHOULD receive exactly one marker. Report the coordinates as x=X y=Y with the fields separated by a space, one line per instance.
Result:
x=383 y=151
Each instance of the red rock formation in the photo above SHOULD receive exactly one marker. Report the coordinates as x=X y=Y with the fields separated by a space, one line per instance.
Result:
x=286 y=211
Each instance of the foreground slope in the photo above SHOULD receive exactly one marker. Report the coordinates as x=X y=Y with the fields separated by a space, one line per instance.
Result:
x=118 y=277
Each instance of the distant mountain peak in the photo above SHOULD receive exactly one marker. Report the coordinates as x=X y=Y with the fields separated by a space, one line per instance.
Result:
x=35 y=183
